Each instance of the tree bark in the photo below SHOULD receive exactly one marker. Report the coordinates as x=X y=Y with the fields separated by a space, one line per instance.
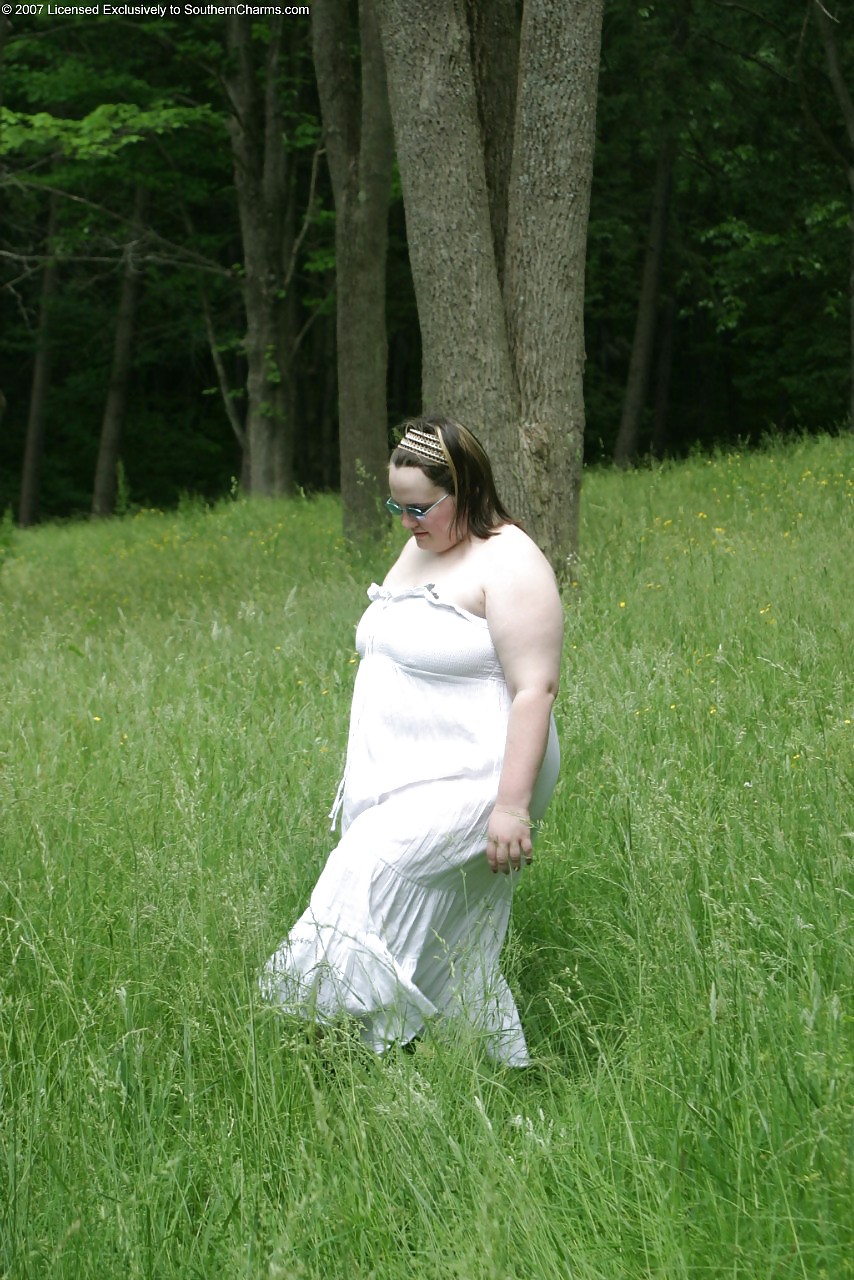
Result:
x=263 y=178
x=643 y=342
x=466 y=367
x=360 y=152
x=28 y=507
x=507 y=363
x=112 y=425
x=494 y=28
x=546 y=256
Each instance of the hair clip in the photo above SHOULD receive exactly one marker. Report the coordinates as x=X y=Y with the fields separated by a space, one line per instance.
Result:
x=423 y=445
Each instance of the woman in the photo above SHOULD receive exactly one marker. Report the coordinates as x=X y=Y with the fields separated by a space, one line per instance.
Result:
x=452 y=757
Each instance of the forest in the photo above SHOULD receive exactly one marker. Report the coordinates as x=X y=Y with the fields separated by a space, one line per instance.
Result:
x=177 y=205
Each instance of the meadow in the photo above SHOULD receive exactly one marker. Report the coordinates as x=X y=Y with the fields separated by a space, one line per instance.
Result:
x=174 y=691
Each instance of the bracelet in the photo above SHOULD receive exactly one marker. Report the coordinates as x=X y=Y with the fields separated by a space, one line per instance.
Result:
x=522 y=816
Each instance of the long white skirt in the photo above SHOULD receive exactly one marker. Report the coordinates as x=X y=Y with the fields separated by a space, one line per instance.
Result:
x=406 y=922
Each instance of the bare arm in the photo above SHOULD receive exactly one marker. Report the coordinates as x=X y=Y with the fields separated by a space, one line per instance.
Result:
x=525 y=619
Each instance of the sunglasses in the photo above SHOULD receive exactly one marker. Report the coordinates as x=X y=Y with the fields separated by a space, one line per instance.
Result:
x=417 y=513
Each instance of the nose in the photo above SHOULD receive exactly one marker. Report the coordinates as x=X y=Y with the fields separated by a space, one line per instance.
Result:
x=408 y=520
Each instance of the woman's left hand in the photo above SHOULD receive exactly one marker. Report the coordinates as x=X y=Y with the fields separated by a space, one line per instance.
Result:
x=508 y=840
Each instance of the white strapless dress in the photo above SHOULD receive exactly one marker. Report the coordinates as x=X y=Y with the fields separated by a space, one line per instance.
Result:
x=407 y=921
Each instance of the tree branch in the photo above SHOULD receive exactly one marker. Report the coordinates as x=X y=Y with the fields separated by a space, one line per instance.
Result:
x=221 y=374
x=305 y=328
x=35 y=261
x=751 y=13
x=306 y=222
x=748 y=57
x=180 y=254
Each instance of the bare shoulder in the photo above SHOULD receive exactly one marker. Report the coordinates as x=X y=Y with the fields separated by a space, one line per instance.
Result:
x=523 y=609
x=512 y=553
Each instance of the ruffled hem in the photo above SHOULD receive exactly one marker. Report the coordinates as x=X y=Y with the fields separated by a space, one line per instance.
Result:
x=319 y=974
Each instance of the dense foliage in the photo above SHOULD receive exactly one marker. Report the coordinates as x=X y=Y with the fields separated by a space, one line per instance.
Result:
x=756 y=259
x=751 y=329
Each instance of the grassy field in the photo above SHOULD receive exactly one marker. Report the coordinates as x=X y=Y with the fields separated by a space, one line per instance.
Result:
x=174 y=692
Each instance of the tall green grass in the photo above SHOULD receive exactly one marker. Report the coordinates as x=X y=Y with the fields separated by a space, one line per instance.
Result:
x=174 y=703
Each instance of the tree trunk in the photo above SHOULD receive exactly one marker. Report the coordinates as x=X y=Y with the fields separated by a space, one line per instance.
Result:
x=466 y=368
x=640 y=361
x=494 y=27
x=28 y=510
x=359 y=148
x=263 y=178
x=546 y=257
x=507 y=364
x=112 y=426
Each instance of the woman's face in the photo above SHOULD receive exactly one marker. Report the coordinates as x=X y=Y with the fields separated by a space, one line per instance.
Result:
x=410 y=487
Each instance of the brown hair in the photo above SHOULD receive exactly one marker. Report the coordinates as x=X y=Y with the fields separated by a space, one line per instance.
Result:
x=466 y=472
